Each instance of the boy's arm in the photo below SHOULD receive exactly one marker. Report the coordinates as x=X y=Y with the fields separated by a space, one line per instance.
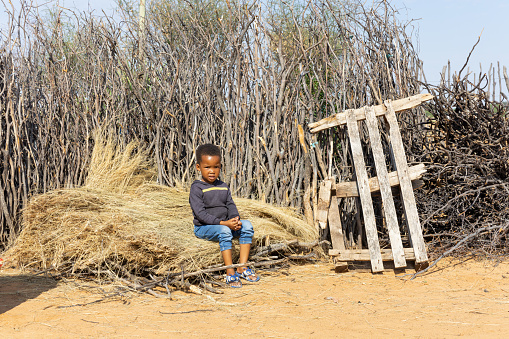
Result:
x=198 y=207
x=230 y=205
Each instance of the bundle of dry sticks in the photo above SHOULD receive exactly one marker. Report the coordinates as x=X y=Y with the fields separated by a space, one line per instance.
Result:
x=466 y=148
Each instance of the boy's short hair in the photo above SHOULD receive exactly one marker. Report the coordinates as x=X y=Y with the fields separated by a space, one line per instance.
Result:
x=207 y=149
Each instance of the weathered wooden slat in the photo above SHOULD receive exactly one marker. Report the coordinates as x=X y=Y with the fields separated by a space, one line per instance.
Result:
x=340 y=266
x=405 y=184
x=336 y=232
x=340 y=118
x=349 y=189
x=336 y=229
x=363 y=255
x=324 y=197
x=364 y=192
x=391 y=219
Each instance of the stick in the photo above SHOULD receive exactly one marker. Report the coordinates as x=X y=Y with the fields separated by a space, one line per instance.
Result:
x=470 y=54
x=210 y=288
x=258 y=264
x=116 y=294
x=178 y=281
x=447 y=205
x=461 y=242
x=302 y=257
x=265 y=250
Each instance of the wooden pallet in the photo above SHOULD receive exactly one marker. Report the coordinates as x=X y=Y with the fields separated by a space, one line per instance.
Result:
x=404 y=177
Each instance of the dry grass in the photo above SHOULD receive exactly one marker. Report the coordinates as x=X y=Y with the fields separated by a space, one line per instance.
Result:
x=123 y=220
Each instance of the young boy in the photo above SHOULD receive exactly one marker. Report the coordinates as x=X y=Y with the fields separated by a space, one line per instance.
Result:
x=215 y=215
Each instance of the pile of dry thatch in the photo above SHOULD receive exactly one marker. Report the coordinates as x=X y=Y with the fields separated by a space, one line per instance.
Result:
x=123 y=222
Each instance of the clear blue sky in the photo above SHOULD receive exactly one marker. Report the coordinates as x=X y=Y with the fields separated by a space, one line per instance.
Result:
x=448 y=29
x=445 y=29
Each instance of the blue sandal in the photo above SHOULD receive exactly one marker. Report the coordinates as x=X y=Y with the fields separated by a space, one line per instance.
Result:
x=232 y=278
x=249 y=275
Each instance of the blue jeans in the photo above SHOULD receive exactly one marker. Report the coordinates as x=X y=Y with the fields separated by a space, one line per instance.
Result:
x=224 y=235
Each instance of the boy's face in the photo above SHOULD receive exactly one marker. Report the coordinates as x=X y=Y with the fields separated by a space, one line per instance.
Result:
x=209 y=166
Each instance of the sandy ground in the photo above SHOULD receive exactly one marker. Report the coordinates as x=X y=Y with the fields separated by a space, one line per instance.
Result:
x=469 y=299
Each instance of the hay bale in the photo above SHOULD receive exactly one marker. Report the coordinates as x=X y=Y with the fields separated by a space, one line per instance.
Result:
x=123 y=218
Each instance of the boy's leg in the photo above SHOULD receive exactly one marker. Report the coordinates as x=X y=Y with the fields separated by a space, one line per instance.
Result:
x=245 y=240
x=218 y=233
x=243 y=256
x=227 y=258
x=224 y=236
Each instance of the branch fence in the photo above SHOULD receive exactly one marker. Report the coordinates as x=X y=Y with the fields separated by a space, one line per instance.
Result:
x=246 y=77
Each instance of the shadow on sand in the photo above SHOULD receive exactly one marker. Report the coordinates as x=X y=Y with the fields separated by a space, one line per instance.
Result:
x=16 y=289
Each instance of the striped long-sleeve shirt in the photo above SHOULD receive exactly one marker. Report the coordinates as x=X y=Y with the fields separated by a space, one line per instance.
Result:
x=211 y=203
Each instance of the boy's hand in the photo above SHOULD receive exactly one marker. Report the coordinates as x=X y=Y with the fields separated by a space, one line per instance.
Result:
x=234 y=224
